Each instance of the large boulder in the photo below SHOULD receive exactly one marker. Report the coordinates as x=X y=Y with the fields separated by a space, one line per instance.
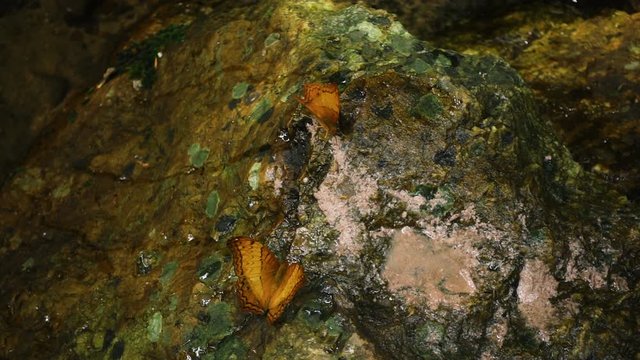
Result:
x=444 y=220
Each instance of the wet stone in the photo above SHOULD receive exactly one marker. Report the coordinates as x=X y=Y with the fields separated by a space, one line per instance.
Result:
x=145 y=262
x=428 y=106
x=447 y=219
x=209 y=270
x=384 y=111
x=118 y=350
x=239 y=90
x=225 y=223
x=446 y=157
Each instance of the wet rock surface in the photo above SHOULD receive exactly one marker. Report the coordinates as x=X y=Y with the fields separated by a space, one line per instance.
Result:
x=581 y=65
x=52 y=50
x=444 y=220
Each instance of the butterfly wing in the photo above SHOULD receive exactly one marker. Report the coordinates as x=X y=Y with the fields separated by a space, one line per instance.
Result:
x=290 y=282
x=248 y=301
x=264 y=284
x=255 y=267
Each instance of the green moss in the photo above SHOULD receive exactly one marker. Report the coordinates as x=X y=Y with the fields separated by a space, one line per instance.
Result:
x=29 y=180
x=82 y=346
x=139 y=58
x=634 y=65
x=197 y=155
x=213 y=200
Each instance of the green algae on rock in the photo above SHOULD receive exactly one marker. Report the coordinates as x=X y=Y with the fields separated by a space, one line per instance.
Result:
x=154 y=329
x=211 y=209
x=197 y=155
x=580 y=69
x=139 y=58
x=239 y=90
x=168 y=271
x=209 y=270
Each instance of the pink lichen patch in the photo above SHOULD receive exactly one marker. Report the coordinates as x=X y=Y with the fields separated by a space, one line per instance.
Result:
x=273 y=174
x=345 y=197
x=619 y=283
x=358 y=348
x=423 y=269
x=413 y=202
x=575 y=270
x=535 y=290
x=497 y=331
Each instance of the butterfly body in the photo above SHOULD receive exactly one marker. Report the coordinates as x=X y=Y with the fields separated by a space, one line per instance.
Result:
x=265 y=285
x=323 y=101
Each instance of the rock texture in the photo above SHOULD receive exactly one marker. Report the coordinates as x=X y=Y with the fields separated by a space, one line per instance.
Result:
x=444 y=220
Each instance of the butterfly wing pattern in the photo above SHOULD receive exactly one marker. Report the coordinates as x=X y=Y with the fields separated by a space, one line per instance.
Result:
x=291 y=281
x=264 y=284
x=249 y=265
x=323 y=100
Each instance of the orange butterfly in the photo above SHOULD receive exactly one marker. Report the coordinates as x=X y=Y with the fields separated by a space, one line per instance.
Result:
x=323 y=100
x=264 y=284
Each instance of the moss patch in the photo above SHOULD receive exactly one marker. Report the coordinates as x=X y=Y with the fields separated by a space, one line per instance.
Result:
x=139 y=58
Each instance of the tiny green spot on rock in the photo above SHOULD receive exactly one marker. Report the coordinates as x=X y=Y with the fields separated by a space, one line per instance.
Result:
x=209 y=269
x=271 y=39
x=372 y=32
x=168 y=271
x=254 y=175
x=402 y=44
x=63 y=190
x=216 y=324
x=231 y=349
x=419 y=66
x=197 y=155
x=262 y=111
x=239 y=90
x=443 y=61
x=154 y=328
x=212 y=204
x=428 y=106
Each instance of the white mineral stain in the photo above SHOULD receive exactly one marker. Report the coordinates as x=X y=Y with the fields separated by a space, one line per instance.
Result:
x=413 y=202
x=535 y=290
x=345 y=197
